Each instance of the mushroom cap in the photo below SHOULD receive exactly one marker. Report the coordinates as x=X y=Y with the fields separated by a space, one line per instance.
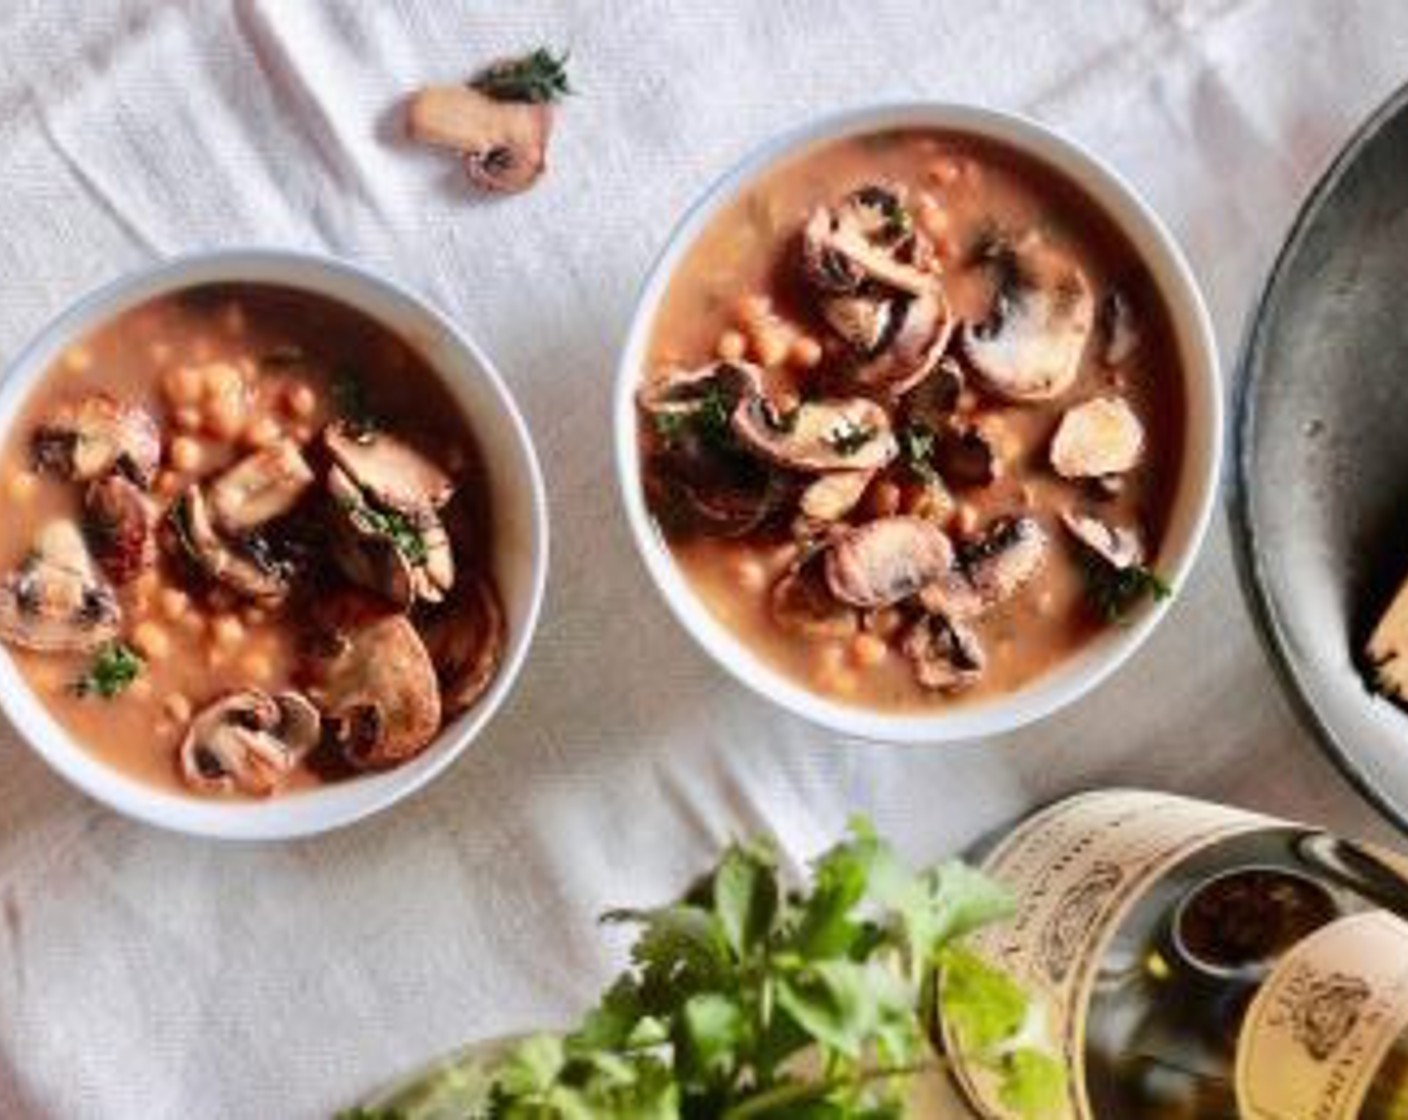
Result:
x=851 y=434
x=237 y=567
x=393 y=473
x=1006 y=558
x=56 y=601
x=682 y=391
x=120 y=521
x=403 y=556
x=1096 y=439
x=911 y=354
x=504 y=143
x=259 y=488
x=944 y=654
x=248 y=740
x=1029 y=347
x=1115 y=545
x=466 y=639
x=863 y=238
x=376 y=683
x=87 y=438
x=1119 y=328
x=887 y=560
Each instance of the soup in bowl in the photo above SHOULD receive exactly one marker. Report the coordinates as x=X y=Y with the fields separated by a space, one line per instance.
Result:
x=274 y=543
x=918 y=424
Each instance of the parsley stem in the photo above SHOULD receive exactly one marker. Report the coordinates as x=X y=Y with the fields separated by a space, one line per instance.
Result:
x=801 y=1092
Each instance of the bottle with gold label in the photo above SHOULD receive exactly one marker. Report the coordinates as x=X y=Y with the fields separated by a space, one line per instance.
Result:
x=1203 y=963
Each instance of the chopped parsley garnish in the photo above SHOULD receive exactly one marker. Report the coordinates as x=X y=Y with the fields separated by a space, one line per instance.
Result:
x=114 y=667
x=752 y=998
x=848 y=437
x=706 y=417
x=917 y=443
x=396 y=527
x=538 y=77
x=1114 y=592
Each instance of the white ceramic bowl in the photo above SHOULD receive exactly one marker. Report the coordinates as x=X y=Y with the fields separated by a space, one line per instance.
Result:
x=520 y=523
x=1071 y=678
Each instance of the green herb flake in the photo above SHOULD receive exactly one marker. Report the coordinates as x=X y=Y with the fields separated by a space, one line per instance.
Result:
x=1115 y=592
x=113 y=668
x=707 y=417
x=848 y=437
x=917 y=443
x=539 y=77
x=403 y=533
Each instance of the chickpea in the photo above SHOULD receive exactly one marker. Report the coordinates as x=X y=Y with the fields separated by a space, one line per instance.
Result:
x=838 y=682
x=227 y=630
x=254 y=616
x=173 y=603
x=886 y=623
x=781 y=558
x=965 y=518
x=867 y=651
x=731 y=345
x=257 y=665
x=751 y=308
x=202 y=349
x=168 y=483
x=221 y=379
x=302 y=433
x=188 y=418
x=967 y=401
x=184 y=385
x=1046 y=604
x=300 y=401
x=140 y=689
x=945 y=171
x=151 y=640
x=805 y=352
x=78 y=359
x=225 y=414
x=262 y=432
x=185 y=454
x=772 y=341
x=159 y=352
x=193 y=622
x=22 y=486
x=177 y=707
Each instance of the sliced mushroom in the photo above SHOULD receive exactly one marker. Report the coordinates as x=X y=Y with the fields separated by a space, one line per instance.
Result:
x=1008 y=556
x=965 y=457
x=504 y=143
x=818 y=436
x=259 y=488
x=1115 y=545
x=466 y=640
x=925 y=325
x=1119 y=331
x=988 y=571
x=945 y=654
x=802 y=602
x=867 y=322
x=241 y=565
x=248 y=740
x=376 y=684
x=56 y=601
x=866 y=237
x=403 y=556
x=887 y=560
x=119 y=520
x=392 y=472
x=684 y=391
x=86 y=439
x=935 y=399
x=834 y=495
x=1030 y=345
x=1099 y=438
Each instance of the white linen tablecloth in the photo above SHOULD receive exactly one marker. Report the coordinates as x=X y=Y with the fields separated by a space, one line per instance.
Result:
x=148 y=975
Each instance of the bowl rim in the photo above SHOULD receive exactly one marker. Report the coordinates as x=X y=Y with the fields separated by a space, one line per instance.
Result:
x=1250 y=563
x=318 y=810
x=1200 y=469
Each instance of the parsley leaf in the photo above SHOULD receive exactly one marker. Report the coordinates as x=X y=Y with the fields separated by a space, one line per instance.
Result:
x=848 y=437
x=537 y=77
x=1114 y=592
x=403 y=533
x=113 y=668
x=917 y=445
x=750 y=999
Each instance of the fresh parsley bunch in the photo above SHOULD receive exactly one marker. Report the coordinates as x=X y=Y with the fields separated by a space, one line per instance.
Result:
x=747 y=1001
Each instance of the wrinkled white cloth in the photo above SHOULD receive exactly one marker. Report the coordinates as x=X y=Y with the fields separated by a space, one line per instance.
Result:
x=148 y=975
